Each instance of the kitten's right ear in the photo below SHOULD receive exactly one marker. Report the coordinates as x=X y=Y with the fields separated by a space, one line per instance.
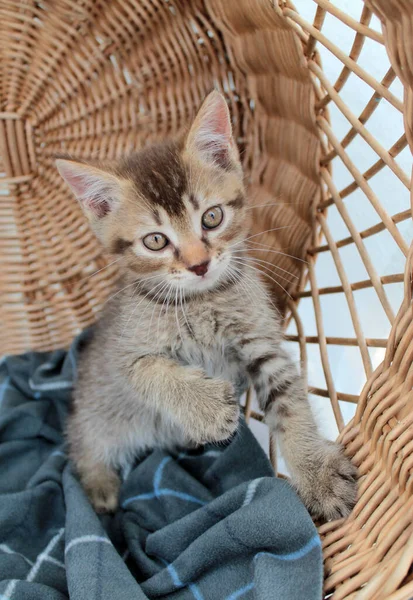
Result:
x=97 y=191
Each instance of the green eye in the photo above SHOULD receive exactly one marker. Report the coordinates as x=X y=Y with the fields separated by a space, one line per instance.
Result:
x=155 y=241
x=212 y=217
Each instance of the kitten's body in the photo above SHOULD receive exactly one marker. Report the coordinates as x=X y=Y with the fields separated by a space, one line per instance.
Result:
x=191 y=325
x=205 y=340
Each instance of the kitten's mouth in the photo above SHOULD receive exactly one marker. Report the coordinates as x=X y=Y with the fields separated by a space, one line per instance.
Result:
x=217 y=273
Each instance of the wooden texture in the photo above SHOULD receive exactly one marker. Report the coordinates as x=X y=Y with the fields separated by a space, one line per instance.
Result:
x=101 y=78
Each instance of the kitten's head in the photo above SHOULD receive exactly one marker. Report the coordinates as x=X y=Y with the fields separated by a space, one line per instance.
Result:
x=175 y=212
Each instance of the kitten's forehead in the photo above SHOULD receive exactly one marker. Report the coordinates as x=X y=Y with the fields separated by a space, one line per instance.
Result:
x=159 y=175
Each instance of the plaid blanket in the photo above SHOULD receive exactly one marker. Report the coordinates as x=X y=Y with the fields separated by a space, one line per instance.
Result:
x=207 y=525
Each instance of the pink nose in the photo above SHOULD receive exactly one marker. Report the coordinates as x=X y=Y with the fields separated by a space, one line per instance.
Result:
x=200 y=269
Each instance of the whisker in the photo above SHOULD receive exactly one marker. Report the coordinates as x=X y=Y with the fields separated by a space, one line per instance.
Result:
x=263 y=267
x=137 y=306
x=160 y=312
x=230 y=274
x=183 y=310
x=259 y=260
x=168 y=298
x=273 y=204
x=244 y=277
x=144 y=279
x=245 y=287
x=254 y=283
x=239 y=278
x=269 y=277
x=270 y=249
x=260 y=233
x=154 y=308
x=176 y=315
x=119 y=291
x=138 y=329
x=142 y=300
x=137 y=282
x=102 y=269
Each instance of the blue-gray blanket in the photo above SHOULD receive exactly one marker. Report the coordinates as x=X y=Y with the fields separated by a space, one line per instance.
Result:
x=213 y=524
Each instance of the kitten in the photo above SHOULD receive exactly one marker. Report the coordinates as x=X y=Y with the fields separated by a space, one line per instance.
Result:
x=190 y=327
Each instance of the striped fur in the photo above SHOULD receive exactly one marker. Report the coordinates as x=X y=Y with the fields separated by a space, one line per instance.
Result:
x=174 y=350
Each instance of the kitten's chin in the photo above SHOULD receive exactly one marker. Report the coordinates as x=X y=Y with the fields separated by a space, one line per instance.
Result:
x=202 y=284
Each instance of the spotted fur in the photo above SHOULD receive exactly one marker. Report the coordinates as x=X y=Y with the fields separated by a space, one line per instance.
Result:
x=174 y=350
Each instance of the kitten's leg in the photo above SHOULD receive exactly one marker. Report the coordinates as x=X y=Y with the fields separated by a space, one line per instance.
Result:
x=90 y=449
x=204 y=409
x=101 y=483
x=200 y=408
x=323 y=476
x=187 y=401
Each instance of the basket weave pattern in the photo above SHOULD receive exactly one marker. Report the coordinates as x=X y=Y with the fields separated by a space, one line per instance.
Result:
x=99 y=79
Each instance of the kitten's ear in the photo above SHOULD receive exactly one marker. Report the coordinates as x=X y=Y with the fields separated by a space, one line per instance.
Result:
x=97 y=191
x=210 y=136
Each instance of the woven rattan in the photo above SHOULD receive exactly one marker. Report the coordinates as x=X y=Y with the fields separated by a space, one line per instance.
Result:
x=99 y=78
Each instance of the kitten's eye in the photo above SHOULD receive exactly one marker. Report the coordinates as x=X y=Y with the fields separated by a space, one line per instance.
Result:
x=212 y=217
x=155 y=241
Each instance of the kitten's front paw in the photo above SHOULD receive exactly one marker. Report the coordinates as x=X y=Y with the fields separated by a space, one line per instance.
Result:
x=328 y=483
x=218 y=411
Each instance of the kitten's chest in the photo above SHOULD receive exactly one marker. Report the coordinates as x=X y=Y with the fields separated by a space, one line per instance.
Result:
x=204 y=344
x=204 y=326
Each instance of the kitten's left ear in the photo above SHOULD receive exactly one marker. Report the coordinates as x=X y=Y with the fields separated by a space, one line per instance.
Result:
x=210 y=136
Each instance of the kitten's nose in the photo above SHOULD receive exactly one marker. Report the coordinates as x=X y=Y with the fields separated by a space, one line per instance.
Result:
x=200 y=269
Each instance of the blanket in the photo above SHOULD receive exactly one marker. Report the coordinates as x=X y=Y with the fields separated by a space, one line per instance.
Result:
x=210 y=524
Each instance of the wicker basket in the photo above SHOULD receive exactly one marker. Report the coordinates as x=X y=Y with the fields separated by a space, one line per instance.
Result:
x=99 y=78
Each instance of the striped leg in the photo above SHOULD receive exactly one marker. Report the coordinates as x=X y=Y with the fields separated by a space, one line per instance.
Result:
x=323 y=476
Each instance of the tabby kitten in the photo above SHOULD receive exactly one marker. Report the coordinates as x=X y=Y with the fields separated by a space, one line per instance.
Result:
x=191 y=325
